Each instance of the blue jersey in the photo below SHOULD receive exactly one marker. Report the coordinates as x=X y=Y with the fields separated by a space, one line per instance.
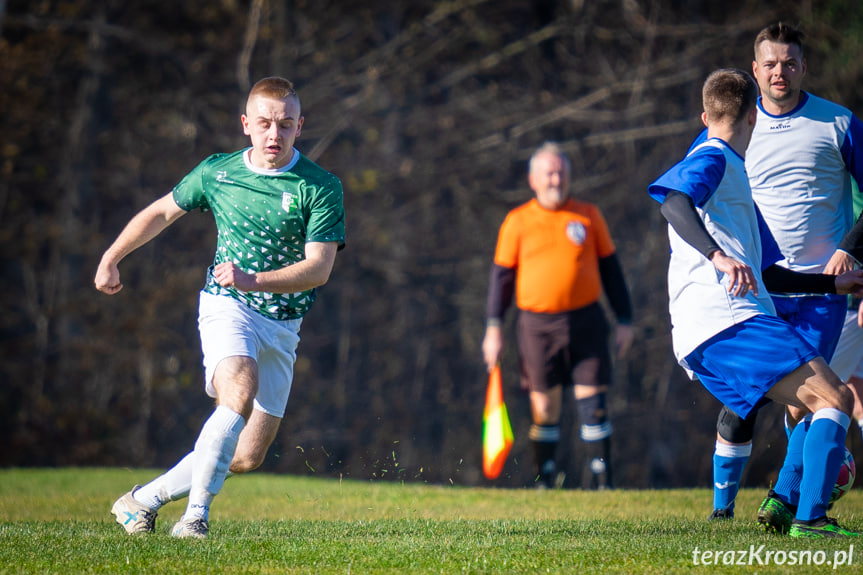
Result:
x=713 y=175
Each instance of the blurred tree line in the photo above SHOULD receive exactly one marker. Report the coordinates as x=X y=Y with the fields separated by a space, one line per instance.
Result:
x=428 y=111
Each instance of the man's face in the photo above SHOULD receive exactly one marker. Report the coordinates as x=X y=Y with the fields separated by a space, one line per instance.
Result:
x=549 y=179
x=779 y=70
x=273 y=126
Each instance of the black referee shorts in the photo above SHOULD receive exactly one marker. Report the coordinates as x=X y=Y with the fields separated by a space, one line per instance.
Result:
x=551 y=345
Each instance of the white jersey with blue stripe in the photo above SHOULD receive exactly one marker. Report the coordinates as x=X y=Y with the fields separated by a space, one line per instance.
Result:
x=713 y=175
x=800 y=166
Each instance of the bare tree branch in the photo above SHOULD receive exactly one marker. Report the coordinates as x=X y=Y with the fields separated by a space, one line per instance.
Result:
x=252 y=26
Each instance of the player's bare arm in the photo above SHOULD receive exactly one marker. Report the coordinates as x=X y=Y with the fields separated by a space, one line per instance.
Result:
x=492 y=344
x=840 y=262
x=850 y=282
x=740 y=277
x=312 y=272
x=142 y=228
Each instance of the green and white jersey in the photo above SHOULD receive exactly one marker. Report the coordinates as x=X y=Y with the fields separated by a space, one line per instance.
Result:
x=264 y=218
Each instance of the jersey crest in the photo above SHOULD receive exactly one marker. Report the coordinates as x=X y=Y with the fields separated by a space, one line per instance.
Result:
x=575 y=232
x=287 y=201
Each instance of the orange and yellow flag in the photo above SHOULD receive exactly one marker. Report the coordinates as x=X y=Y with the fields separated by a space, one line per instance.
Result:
x=496 y=429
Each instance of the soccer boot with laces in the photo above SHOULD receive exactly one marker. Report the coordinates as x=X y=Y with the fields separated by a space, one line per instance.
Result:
x=195 y=528
x=135 y=517
x=721 y=514
x=775 y=515
x=821 y=528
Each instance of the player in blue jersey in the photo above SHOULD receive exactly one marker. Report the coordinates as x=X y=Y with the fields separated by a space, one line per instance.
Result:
x=280 y=219
x=800 y=161
x=723 y=261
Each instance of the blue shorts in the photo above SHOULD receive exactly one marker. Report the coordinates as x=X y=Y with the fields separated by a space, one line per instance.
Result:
x=818 y=318
x=740 y=364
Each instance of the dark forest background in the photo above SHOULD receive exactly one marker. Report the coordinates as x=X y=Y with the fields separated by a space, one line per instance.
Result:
x=427 y=110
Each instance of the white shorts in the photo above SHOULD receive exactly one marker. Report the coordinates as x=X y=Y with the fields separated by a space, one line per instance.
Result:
x=229 y=328
x=848 y=358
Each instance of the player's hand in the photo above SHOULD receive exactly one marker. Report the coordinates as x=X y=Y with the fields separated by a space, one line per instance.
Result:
x=108 y=278
x=741 y=280
x=492 y=344
x=839 y=262
x=623 y=338
x=228 y=274
x=850 y=282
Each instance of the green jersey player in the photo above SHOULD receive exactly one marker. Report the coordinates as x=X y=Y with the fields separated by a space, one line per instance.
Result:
x=280 y=221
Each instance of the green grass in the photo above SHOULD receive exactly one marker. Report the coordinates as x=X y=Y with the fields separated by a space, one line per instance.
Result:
x=58 y=521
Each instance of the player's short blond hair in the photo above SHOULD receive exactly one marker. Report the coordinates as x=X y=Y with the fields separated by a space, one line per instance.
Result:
x=275 y=88
x=728 y=95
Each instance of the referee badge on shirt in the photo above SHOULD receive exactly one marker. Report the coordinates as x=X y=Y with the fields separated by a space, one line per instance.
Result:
x=575 y=232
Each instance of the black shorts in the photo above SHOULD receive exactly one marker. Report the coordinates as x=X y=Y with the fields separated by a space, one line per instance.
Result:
x=551 y=346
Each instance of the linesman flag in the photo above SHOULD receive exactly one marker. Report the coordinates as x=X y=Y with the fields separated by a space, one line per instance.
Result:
x=496 y=429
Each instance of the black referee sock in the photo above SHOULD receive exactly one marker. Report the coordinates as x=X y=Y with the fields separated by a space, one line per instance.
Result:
x=545 y=439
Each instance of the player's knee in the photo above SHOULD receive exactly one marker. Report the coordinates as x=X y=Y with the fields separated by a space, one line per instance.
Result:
x=593 y=414
x=246 y=462
x=733 y=428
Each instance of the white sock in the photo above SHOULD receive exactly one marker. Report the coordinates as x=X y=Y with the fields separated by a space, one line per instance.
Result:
x=213 y=453
x=860 y=423
x=172 y=485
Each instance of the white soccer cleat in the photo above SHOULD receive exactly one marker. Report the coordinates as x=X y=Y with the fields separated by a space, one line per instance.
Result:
x=135 y=517
x=197 y=528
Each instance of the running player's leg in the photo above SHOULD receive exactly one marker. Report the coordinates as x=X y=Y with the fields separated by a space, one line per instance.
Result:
x=236 y=384
x=814 y=387
x=731 y=453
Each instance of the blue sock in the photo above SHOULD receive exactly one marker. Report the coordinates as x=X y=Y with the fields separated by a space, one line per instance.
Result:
x=822 y=456
x=728 y=464
x=787 y=486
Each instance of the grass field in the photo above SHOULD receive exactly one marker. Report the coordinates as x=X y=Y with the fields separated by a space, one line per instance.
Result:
x=58 y=521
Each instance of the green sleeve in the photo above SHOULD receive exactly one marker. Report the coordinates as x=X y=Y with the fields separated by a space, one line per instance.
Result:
x=327 y=217
x=189 y=193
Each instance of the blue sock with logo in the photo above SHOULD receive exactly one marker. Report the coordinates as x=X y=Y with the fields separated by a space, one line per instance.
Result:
x=728 y=463
x=787 y=486
x=823 y=453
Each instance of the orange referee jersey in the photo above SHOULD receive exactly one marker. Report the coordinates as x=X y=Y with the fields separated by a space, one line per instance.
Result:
x=555 y=254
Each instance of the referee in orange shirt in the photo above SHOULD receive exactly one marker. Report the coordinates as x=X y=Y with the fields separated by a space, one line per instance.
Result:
x=556 y=256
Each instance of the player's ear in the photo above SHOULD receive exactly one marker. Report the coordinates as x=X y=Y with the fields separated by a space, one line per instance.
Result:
x=704 y=118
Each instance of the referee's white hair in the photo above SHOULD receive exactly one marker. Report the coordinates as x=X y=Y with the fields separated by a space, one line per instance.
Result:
x=548 y=149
